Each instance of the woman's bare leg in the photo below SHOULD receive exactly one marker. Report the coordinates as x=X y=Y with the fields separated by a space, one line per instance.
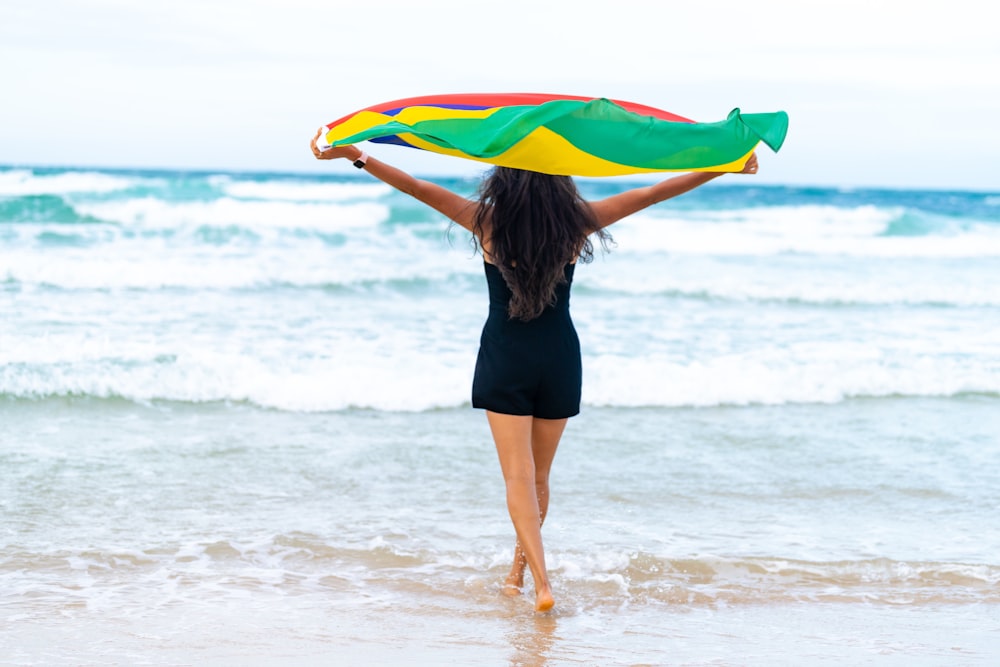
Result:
x=545 y=437
x=516 y=447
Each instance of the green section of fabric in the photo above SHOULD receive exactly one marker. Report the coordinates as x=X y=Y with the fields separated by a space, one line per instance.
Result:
x=770 y=127
x=603 y=129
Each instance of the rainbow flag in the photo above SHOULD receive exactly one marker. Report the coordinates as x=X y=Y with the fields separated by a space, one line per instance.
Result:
x=561 y=134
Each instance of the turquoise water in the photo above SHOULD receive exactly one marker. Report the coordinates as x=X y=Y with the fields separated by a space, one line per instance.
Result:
x=234 y=426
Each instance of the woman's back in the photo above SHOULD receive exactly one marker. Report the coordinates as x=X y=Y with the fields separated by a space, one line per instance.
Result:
x=501 y=294
x=530 y=226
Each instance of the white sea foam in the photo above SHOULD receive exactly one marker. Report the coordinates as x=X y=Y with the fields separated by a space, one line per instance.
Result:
x=302 y=191
x=154 y=269
x=399 y=260
x=819 y=282
x=151 y=212
x=353 y=380
x=814 y=230
x=164 y=261
x=380 y=375
x=22 y=182
x=771 y=378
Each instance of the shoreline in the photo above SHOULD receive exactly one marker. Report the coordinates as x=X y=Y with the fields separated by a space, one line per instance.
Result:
x=220 y=534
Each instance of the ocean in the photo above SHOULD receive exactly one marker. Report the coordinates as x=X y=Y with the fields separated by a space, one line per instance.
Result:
x=235 y=429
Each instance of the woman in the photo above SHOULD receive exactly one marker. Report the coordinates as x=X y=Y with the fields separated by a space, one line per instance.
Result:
x=531 y=228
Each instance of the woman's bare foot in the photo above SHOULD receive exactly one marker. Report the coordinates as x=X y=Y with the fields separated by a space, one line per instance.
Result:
x=513 y=583
x=510 y=590
x=543 y=599
x=515 y=579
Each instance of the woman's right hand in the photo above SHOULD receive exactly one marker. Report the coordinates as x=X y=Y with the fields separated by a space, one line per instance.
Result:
x=349 y=152
x=751 y=166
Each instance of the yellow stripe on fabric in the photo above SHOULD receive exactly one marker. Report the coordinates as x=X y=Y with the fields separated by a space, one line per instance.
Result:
x=359 y=122
x=418 y=142
x=543 y=150
x=734 y=166
x=364 y=120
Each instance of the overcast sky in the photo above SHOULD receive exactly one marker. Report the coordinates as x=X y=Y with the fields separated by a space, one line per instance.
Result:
x=879 y=93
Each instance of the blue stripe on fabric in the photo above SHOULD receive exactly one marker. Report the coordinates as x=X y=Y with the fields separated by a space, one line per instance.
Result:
x=460 y=107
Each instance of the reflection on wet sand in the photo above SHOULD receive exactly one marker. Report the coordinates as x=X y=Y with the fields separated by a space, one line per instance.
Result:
x=532 y=638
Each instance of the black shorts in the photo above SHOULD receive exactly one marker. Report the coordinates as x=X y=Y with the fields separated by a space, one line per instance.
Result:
x=529 y=368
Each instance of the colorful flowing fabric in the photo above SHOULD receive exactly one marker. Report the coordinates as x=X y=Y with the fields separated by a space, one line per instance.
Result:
x=562 y=135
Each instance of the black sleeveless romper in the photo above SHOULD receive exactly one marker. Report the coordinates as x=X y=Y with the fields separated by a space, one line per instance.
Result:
x=528 y=368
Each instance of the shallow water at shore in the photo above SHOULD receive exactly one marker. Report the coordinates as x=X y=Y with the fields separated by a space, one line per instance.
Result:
x=855 y=532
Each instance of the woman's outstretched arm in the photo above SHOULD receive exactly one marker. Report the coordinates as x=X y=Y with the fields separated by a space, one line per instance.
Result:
x=443 y=200
x=616 y=207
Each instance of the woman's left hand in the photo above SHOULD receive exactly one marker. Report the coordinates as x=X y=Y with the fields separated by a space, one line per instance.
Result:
x=751 y=166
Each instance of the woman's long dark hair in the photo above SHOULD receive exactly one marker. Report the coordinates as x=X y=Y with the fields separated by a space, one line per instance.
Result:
x=536 y=224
